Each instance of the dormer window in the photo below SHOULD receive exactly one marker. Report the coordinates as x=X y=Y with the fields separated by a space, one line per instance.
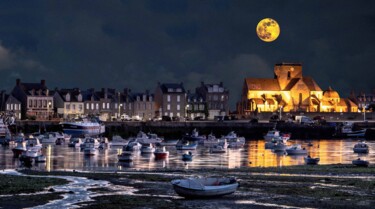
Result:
x=178 y=90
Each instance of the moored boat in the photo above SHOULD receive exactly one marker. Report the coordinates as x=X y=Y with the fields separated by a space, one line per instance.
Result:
x=83 y=127
x=296 y=149
x=205 y=187
x=361 y=163
x=194 y=136
x=187 y=156
x=19 y=149
x=147 y=148
x=161 y=153
x=361 y=147
x=125 y=156
x=311 y=161
x=186 y=146
x=75 y=142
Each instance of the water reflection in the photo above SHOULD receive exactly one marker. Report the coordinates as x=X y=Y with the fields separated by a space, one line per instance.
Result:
x=254 y=154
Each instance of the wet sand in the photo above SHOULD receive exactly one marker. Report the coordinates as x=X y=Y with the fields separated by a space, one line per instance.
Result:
x=322 y=186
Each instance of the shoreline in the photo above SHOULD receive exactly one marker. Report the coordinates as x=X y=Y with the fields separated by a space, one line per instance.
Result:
x=322 y=186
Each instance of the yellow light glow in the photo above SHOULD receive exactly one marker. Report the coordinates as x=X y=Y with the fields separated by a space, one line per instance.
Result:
x=268 y=30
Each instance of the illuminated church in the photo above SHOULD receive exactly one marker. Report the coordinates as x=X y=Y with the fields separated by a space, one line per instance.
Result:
x=291 y=91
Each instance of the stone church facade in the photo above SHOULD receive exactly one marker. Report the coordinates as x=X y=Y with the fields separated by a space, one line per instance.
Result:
x=290 y=91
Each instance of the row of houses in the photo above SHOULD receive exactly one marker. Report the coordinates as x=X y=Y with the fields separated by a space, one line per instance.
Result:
x=37 y=101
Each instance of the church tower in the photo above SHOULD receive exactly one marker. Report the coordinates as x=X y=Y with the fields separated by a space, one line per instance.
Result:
x=284 y=72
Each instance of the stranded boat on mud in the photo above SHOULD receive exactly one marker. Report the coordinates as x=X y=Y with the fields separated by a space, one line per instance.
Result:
x=205 y=187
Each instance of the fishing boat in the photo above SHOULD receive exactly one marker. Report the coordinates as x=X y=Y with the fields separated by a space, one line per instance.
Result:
x=311 y=161
x=149 y=138
x=361 y=163
x=133 y=145
x=90 y=141
x=348 y=130
x=361 y=147
x=33 y=142
x=83 y=127
x=272 y=134
x=205 y=187
x=169 y=142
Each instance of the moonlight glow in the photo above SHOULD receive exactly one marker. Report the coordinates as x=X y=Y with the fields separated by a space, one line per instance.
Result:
x=268 y=30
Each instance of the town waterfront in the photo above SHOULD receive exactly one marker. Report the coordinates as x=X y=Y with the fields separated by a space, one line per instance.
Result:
x=254 y=154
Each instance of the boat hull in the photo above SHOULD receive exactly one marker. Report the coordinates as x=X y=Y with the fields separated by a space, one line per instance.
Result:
x=208 y=192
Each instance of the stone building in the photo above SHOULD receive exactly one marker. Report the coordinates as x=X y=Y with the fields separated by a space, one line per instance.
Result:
x=170 y=100
x=289 y=91
x=196 y=106
x=68 y=102
x=144 y=106
x=216 y=98
x=36 y=100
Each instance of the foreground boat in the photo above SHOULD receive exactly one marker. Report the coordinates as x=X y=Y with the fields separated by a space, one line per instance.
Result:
x=205 y=187
x=360 y=163
x=296 y=149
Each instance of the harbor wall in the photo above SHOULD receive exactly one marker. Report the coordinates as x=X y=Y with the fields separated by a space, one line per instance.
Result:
x=173 y=130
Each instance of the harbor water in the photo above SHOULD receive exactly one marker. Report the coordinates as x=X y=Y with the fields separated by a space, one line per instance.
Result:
x=253 y=154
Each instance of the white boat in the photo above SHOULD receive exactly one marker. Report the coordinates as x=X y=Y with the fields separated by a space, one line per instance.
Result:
x=204 y=187
x=118 y=141
x=147 y=148
x=186 y=146
x=19 y=149
x=234 y=141
x=83 y=127
x=103 y=143
x=150 y=138
x=361 y=147
x=75 y=142
x=133 y=145
x=40 y=159
x=33 y=142
x=361 y=163
x=32 y=152
x=272 y=134
x=218 y=149
x=88 y=141
x=125 y=156
x=194 y=136
x=280 y=146
x=296 y=149
x=311 y=161
x=90 y=149
x=169 y=142
x=209 y=141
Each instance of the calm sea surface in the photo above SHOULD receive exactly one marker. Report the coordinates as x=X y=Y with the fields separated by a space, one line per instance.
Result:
x=254 y=154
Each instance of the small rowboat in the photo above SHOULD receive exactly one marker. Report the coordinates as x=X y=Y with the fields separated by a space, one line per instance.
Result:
x=360 y=163
x=205 y=187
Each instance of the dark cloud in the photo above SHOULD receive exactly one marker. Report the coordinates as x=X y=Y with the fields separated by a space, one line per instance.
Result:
x=135 y=44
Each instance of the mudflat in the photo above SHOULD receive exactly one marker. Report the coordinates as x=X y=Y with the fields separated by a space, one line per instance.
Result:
x=317 y=186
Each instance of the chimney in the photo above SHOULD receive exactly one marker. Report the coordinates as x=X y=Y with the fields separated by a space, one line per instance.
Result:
x=221 y=84
x=43 y=82
x=18 y=81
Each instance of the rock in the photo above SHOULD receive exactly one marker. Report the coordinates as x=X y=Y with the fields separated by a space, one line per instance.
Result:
x=71 y=192
x=51 y=190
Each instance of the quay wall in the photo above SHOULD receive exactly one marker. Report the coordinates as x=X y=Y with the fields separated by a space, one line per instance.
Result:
x=172 y=130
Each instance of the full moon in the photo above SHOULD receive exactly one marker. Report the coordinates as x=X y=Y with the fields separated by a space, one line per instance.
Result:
x=268 y=30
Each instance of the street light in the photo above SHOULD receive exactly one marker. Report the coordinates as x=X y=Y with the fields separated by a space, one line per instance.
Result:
x=119 y=108
x=281 y=107
x=49 y=106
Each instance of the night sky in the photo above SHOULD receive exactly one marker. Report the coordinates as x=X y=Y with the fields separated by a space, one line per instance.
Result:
x=135 y=44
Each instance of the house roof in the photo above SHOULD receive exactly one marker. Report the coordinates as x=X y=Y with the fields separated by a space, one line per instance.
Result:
x=166 y=87
x=27 y=88
x=311 y=84
x=262 y=84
